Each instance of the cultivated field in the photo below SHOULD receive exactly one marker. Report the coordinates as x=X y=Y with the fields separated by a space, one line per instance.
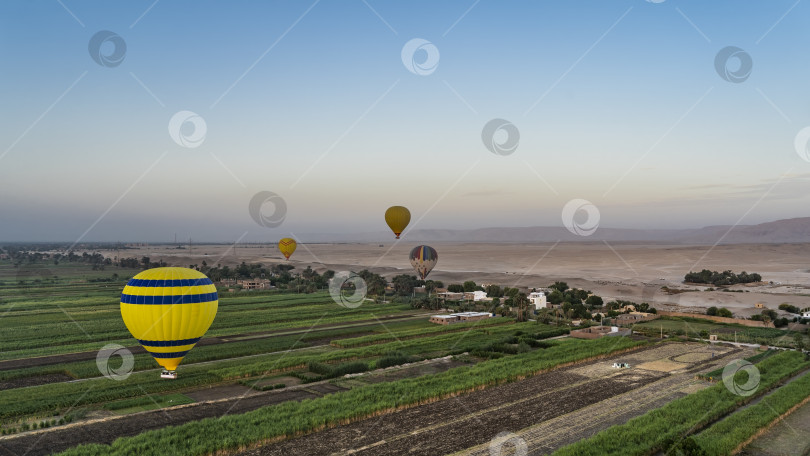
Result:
x=290 y=373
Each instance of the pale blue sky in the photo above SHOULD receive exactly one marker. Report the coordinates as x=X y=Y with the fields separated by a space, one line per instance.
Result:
x=618 y=103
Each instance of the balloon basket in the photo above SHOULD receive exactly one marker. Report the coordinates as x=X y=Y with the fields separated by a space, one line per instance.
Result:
x=168 y=374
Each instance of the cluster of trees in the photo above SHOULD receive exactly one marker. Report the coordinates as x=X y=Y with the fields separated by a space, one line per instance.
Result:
x=375 y=283
x=721 y=312
x=789 y=308
x=575 y=302
x=721 y=278
x=560 y=294
x=19 y=257
x=771 y=315
x=405 y=283
x=280 y=275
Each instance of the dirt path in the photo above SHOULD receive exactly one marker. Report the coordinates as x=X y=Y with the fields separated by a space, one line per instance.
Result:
x=219 y=400
x=553 y=409
x=790 y=436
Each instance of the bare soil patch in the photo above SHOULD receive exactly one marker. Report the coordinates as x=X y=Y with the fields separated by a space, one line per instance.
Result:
x=220 y=392
x=34 y=381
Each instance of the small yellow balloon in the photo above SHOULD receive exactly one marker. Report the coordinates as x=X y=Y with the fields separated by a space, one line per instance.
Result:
x=168 y=310
x=287 y=246
x=397 y=218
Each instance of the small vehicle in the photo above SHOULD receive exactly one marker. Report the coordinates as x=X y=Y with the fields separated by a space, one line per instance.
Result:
x=168 y=374
x=621 y=365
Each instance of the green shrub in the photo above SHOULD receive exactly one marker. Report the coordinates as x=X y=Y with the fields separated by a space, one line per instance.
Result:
x=393 y=359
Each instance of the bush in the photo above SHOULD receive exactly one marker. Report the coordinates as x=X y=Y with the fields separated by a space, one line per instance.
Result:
x=330 y=371
x=393 y=359
x=789 y=308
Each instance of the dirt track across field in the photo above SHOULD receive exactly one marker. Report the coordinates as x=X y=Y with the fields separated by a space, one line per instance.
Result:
x=548 y=410
x=213 y=402
x=106 y=430
x=788 y=437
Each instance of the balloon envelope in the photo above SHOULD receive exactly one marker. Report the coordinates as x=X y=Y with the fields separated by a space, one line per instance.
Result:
x=423 y=259
x=397 y=218
x=287 y=246
x=168 y=310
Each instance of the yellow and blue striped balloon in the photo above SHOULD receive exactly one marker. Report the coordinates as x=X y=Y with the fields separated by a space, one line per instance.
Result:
x=168 y=310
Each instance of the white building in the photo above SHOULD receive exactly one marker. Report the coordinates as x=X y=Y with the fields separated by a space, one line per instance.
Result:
x=461 y=317
x=479 y=295
x=538 y=298
x=806 y=314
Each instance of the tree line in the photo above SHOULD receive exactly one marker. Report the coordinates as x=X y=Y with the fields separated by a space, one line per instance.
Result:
x=724 y=278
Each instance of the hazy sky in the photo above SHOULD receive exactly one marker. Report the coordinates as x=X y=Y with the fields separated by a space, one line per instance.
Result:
x=620 y=103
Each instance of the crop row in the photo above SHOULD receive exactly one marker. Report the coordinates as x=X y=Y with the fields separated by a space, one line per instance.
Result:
x=725 y=436
x=289 y=418
x=37 y=335
x=661 y=428
x=406 y=334
x=717 y=374
x=44 y=398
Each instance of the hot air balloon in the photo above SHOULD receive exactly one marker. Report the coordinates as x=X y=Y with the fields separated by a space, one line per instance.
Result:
x=168 y=310
x=397 y=218
x=423 y=259
x=287 y=246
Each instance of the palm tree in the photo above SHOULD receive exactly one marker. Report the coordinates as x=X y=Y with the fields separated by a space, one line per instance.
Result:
x=522 y=303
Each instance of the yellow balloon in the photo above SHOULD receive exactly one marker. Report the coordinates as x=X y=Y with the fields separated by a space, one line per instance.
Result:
x=397 y=218
x=287 y=246
x=168 y=310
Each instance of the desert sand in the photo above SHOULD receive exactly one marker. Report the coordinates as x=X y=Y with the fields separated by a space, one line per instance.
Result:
x=633 y=271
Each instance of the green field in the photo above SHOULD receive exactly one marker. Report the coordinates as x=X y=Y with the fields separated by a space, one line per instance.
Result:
x=272 y=336
x=71 y=314
x=694 y=327
x=287 y=419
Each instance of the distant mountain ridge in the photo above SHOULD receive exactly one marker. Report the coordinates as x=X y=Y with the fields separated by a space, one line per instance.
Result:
x=788 y=231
